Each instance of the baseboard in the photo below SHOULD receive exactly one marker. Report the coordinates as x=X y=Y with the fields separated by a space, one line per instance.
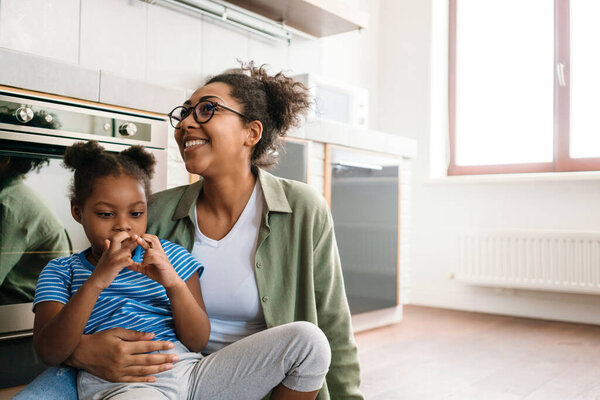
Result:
x=376 y=319
x=562 y=307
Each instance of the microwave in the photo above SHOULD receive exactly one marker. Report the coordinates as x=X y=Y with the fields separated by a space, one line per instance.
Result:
x=336 y=101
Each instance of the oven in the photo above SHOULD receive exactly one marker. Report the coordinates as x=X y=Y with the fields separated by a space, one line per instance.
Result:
x=36 y=223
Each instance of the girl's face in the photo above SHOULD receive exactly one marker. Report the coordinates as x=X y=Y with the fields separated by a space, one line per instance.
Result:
x=224 y=143
x=117 y=203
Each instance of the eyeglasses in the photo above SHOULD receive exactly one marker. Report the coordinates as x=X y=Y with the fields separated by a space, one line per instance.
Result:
x=202 y=112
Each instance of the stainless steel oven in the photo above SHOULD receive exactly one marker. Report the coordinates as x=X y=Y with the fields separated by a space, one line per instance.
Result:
x=36 y=223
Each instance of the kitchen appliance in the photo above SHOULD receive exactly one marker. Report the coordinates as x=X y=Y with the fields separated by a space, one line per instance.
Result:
x=336 y=101
x=36 y=128
x=365 y=206
x=294 y=161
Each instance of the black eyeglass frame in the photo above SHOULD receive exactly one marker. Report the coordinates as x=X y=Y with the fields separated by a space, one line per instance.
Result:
x=194 y=112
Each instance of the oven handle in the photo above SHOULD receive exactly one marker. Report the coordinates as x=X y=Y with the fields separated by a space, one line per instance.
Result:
x=16 y=335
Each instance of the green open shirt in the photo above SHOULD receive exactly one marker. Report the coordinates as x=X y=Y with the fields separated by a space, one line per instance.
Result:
x=297 y=266
x=30 y=236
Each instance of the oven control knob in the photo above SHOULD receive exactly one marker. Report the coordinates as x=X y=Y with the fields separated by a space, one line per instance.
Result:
x=24 y=114
x=128 y=129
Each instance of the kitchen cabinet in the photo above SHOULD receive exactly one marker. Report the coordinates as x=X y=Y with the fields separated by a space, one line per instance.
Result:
x=294 y=161
x=316 y=17
x=363 y=191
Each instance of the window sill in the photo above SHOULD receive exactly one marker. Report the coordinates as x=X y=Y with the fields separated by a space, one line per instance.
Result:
x=517 y=178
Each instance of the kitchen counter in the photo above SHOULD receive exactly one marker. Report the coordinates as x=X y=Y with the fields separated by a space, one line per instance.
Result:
x=337 y=133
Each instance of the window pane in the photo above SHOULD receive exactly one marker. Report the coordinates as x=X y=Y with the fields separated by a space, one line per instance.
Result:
x=585 y=79
x=504 y=81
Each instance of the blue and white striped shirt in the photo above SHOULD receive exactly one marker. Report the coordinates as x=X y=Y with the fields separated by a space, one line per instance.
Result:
x=132 y=301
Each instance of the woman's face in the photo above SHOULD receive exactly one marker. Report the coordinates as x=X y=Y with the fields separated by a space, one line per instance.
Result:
x=220 y=145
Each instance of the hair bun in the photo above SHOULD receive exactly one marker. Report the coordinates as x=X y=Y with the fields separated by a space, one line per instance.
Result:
x=142 y=158
x=287 y=99
x=78 y=155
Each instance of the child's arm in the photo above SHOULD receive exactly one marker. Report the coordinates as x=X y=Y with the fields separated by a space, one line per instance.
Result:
x=191 y=321
x=58 y=328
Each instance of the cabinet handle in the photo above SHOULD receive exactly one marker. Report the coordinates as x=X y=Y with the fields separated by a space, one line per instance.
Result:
x=359 y=165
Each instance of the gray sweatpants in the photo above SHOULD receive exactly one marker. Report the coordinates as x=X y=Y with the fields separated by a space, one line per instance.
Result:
x=296 y=354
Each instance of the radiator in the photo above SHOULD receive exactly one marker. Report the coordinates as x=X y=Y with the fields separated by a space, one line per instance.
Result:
x=544 y=260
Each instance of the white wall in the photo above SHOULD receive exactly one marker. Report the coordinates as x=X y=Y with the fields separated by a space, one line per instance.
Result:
x=442 y=211
x=134 y=39
x=149 y=42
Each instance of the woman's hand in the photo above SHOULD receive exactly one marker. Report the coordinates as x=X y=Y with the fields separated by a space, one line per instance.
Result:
x=115 y=257
x=155 y=264
x=117 y=355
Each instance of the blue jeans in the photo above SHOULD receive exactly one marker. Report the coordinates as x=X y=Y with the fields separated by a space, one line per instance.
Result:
x=56 y=383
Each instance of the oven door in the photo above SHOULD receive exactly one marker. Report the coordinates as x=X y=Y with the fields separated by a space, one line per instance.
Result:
x=36 y=226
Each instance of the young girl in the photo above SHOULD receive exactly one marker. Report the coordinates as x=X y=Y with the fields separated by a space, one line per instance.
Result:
x=126 y=279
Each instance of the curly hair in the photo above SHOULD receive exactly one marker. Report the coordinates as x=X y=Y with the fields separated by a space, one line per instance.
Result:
x=20 y=166
x=277 y=101
x=90 y=161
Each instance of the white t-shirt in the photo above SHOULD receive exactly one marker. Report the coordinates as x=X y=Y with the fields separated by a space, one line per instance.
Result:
x=228 y=283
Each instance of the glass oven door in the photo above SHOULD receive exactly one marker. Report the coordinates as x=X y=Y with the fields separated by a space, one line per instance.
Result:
x=365 y=209
x=36 y=226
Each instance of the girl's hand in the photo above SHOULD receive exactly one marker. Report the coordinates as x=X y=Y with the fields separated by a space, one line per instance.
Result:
x=155 y=264
x=115 y=257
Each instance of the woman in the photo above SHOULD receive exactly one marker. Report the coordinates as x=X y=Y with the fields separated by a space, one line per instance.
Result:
x=267 y=243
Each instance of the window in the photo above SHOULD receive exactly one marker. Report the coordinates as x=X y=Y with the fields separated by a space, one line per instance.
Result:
x=524 y=86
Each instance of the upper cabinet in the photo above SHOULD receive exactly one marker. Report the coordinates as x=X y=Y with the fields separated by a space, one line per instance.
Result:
x=315 y=17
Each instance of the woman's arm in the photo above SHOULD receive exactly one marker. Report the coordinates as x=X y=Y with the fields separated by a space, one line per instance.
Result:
x=189 y=314
x=11 y=237
x=121 y=355
x=343 y=378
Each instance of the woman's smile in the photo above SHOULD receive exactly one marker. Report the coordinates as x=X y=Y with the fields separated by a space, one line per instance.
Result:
x=191 y=144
